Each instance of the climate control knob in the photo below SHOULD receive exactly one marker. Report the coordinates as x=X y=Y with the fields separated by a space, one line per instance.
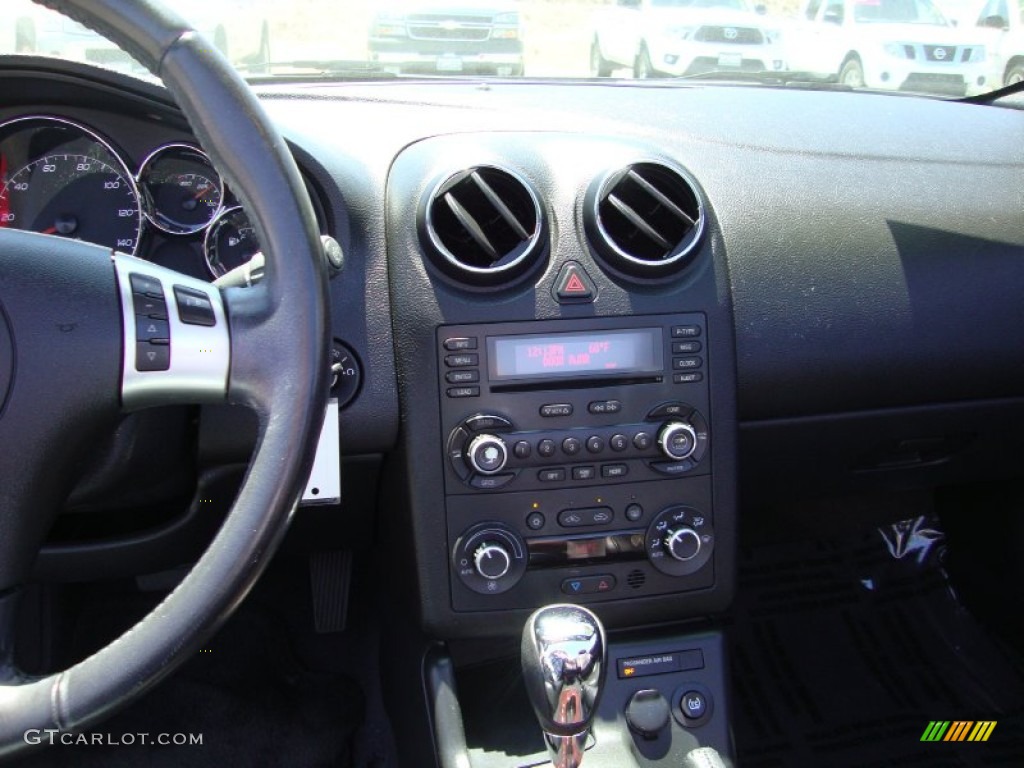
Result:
x=683 y=544
x=677 y=440
x=491 y=560
x=487 y=454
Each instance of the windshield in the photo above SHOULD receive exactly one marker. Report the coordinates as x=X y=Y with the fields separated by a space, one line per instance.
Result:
x=904 y=46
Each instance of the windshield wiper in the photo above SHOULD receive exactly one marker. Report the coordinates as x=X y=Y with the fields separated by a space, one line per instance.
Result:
x=306 y=68
x=993 y=96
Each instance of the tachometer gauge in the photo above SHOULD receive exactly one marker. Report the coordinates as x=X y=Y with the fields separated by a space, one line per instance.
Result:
x=62 y=179
x=230 y=241
x=183 y=191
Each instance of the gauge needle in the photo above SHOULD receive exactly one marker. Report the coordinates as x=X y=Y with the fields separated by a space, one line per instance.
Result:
x=202 y=192
x=50 y=231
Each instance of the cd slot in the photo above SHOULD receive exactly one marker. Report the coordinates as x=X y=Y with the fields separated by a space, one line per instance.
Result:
x=587 y=383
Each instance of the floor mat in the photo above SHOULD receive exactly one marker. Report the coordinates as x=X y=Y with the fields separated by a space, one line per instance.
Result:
x=845 y=651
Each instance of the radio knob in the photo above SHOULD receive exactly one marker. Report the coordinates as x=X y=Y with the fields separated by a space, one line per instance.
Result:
x=683 y=544
x=491 y=560
x=487 y=454
x=677 y=440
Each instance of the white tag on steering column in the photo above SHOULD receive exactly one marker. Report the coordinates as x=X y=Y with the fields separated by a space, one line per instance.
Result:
x=324 y=486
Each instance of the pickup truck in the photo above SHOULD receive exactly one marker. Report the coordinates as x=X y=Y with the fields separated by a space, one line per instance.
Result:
x=906 y=45
x=683 y=37
x=480 y=37
x=1000 y=23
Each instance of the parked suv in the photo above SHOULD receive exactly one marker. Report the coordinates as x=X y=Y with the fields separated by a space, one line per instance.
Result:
x=1000 y=23
x=443 y=36
x=683 y=37
x=903 y=45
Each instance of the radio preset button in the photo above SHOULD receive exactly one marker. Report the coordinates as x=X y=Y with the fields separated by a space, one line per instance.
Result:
x=605 y=406
x=551 y=475
x=642 y=441
x=614 y=470
x=459 y=344
x=619 y=442
x=463 y=392
x=522 y=449
x=462 y=361
x=687 y=378
x=546 y=448
x=583 y=473
x=491 y=482
x=686 y=347
x=571 y=446
x=552 y=410
x=687 y=363
x=686 y=332
x=462 y=377
x=595 y=444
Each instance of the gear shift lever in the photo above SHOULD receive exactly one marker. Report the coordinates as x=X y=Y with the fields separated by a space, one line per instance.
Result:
x=563 y=657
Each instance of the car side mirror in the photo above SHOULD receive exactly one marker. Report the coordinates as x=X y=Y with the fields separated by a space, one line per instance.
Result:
x=761 y=9
x=833 y=17
x=995 y=22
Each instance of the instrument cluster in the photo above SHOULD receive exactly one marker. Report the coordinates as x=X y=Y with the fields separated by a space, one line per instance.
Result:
x=62 y=178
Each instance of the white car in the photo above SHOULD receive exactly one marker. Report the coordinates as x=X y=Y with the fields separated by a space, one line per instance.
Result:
x=903 y=45
x=38 y=30
x=683 y=37
x=1000 y=23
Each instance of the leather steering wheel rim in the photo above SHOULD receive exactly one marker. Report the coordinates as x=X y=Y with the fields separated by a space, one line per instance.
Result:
x=279 y=333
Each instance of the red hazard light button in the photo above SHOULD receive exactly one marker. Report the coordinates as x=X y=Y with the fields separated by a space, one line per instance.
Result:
x=573 y=284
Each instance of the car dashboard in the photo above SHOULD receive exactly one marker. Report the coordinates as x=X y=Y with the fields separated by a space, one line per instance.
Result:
x=597 y=329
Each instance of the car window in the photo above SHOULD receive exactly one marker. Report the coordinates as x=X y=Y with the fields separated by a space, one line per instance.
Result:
x=812 y=9
x=897 y=11
x=834 y=12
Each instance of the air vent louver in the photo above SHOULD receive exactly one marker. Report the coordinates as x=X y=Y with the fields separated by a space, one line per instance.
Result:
x=483 y=226
x=636 y=579
x=645 y=220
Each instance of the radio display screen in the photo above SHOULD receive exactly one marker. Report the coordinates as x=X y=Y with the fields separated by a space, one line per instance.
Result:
x=568 y=355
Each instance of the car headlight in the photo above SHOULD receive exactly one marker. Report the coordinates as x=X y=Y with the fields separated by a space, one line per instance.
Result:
x=899 y=51
x=388 y=25
x=977 y=54
x=772 y=36
x=681 y=33
x=512 y=17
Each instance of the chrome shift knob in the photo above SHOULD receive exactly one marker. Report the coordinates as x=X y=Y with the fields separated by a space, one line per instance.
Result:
x=563 y=657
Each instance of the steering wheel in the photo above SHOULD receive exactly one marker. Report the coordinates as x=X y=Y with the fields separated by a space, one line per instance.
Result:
x=71 y=363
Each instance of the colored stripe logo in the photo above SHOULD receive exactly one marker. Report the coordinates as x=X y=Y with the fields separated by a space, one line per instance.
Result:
x=958 y=730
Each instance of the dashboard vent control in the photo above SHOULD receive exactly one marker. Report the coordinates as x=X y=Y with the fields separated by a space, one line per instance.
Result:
x=483 y=226
x=645 y=220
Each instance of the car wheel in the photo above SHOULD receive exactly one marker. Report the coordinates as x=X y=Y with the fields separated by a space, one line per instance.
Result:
x=642 y=67
x=1015 y=74
x=852 y=74
x=269 y=353
x=599 y=65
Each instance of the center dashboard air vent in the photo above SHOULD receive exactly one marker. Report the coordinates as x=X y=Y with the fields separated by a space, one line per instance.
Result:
x=645 y=220
x=483 y=226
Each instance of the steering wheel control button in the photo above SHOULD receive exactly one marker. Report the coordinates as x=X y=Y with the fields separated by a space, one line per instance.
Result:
x=467 y=360
x=686 y=347
x=634 y=512
x=462 y=376
x=151 y=329
x=535 y=521
x=487 y=454
x=648 y=712
x=686 y=332
x=588 y=585
x=573 y=285
x=692 y=377
x=612 y=471
x=546 y=448
x=584 y=473
x=602 y=407
x=577 y=518
x=693 y=705
x=194 y=307
x=149 y=306
x=679 y=541
x=619 y=443
x=152 y=357
x=551 y=475
x=553 y=410
x=463 y=392
x=571 y=446
x=147 y=285
x=459 y=344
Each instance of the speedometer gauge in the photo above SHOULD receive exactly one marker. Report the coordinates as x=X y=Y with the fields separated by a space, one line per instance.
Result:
x=183 y=191
x=60 y=178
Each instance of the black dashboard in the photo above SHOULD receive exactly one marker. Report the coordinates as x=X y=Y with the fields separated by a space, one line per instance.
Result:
x=576 y=399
